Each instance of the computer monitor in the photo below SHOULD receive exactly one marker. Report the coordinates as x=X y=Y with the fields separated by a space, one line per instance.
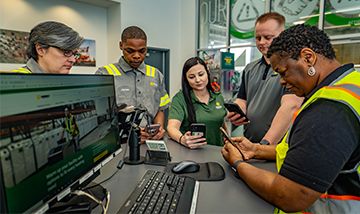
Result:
x=56 y=132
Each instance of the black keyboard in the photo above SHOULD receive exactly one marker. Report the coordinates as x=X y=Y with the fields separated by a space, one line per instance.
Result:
x=159 y=192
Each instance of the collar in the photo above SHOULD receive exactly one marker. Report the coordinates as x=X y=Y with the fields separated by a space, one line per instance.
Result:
x=263 y=61
x=330 y=78
x=33 y=66
x=125 y=67
x=195 y=99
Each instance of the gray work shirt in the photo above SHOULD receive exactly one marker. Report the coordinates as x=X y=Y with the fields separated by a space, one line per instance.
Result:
x=261 y=89
x=138 y=87
x=31 y=67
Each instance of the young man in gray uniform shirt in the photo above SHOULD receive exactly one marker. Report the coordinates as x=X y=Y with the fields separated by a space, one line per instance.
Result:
x=136 y=83
x=268 y=105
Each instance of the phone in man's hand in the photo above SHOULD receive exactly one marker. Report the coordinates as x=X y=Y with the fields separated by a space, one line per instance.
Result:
x=233 y=107
x=152 y=129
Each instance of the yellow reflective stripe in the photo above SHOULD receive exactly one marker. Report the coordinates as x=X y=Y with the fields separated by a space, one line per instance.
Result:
x=111 y=69
x=164 y=100
x=353 y=77
x=115 y=69
x=343 y=95
x=22 y=70
x=150 y=71
x=147 y=68
x=153 y=71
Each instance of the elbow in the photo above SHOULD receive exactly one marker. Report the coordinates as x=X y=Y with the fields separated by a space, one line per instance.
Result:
x=289 y=206
x=292 y=203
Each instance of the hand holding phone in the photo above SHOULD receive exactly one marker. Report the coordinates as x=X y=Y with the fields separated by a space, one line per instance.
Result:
x=225 y=134
x=152 y=129
x=233 y=107
x=198 y=129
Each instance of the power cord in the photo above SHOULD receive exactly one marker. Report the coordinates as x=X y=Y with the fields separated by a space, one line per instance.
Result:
x=101 y=182
x=103 y=206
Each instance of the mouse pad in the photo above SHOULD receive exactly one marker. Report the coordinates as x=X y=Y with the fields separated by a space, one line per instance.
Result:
x=209 y=171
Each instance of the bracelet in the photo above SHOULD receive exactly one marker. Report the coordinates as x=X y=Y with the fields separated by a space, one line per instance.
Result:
x=236 y=164
x=180 y=138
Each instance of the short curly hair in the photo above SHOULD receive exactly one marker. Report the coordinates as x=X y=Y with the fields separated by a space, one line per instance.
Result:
x=133 y=32
x=291 y=41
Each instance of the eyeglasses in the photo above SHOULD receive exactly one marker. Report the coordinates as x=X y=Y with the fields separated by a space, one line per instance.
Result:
x=69 y=53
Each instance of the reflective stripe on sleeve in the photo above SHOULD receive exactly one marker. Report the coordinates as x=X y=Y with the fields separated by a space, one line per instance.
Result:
x=164 y=100
x=22 y=70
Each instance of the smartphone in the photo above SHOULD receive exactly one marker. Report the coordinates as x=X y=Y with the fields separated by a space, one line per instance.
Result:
x=152 y=129
x=225 y=134
x=198 y=129
x=233 y=107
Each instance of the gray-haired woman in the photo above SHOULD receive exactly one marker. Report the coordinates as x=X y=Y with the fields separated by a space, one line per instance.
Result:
x=52 y=49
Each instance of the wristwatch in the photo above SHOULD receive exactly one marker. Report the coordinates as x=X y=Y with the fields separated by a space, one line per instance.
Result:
x=264 y=142
x=236 y=164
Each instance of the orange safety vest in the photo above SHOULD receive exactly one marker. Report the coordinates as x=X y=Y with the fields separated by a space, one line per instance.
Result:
x=346 y=90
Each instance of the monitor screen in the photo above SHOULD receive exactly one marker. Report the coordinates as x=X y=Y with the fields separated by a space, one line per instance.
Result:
x=56 y=131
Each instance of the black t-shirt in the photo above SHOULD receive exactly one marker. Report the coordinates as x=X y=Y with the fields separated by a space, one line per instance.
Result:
x=324 y=140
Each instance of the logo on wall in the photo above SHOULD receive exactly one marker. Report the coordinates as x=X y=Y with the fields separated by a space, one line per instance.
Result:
x=343 y=13
x=294 y=10
x=243 y=17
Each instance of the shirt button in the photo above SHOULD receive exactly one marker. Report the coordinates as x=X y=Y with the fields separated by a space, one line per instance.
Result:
x=138 y=80
x=139 y=92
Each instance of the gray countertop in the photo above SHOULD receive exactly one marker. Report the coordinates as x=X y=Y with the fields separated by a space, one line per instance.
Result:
x=230 y=195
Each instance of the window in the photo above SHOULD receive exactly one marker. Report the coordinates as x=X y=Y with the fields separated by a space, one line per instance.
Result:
x=228 y=25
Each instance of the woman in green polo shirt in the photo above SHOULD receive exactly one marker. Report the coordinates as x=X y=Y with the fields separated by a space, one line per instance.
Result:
x=196 y=103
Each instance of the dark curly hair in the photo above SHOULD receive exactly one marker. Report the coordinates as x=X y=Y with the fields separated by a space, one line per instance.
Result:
x=186 y=88
x=133 y=32
x=291 y=41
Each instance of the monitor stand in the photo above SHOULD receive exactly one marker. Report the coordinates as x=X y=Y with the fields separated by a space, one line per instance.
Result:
x=79 y=203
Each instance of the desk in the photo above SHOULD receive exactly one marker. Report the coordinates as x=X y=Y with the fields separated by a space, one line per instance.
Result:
x=230 y=195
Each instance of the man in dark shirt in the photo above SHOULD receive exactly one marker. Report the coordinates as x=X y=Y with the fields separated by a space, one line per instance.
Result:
x=267 y=104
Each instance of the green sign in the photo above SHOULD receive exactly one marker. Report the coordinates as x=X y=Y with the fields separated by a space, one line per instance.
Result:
x=227 y=61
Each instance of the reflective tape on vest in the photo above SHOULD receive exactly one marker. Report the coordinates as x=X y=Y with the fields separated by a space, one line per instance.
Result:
x=346 y=90
x=164 y=100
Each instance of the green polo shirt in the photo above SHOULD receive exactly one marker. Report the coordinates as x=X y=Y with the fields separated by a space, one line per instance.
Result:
x=211 y=114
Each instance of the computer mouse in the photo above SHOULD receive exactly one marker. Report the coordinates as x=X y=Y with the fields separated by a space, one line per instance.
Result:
x=186 y=166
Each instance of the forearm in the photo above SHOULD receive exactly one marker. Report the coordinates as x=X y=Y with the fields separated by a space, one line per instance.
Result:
x=281 y=122
x=265 y=152
x=241 y=103
x=174 y=133
x=173 y=128
x=276 y=189
x=160 y=118
x=279 y=125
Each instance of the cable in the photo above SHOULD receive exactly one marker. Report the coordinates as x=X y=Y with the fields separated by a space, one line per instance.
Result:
x=101 y=182
x=104 y=207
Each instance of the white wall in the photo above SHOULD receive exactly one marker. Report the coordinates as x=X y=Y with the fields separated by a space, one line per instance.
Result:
x=168 y=24
x=90 y=21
